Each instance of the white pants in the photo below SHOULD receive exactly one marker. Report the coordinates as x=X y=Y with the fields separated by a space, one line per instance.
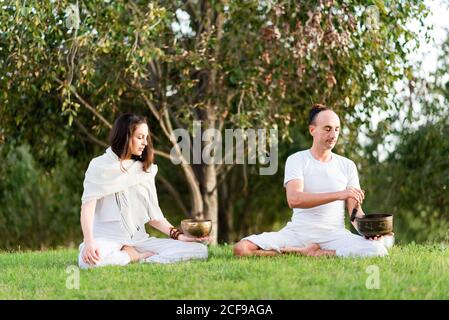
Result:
x=345 y=243
x=166 y=251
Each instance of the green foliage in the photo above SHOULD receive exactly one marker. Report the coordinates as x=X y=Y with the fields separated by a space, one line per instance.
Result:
x=413 y=182
x=39 y=208
x=290 y=55
x=248 y=66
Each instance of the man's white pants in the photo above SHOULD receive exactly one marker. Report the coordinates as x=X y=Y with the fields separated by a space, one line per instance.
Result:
x=166 y=251
x=345 y=243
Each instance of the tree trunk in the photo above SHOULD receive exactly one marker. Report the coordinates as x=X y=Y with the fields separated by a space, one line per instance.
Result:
x=196 y=201
x=209 y=177
x=226 y=213
x=210 y=199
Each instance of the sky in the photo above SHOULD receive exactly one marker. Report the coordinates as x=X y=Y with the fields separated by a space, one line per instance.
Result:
x=439 y=18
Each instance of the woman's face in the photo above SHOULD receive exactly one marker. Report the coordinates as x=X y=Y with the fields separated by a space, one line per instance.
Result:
x=139 y=139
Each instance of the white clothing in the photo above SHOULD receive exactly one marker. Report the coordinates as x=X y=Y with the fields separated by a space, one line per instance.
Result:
x=107 y=210
x=167 y=251
x=114 y=227
x=345 y=243
x=322 y=224
x=320 y=177
x=133 y=188
x=111 y=236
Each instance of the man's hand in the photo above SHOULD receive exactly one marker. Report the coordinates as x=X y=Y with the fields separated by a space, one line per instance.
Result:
x=352 y=193
x=354 y=223
x=380 y=237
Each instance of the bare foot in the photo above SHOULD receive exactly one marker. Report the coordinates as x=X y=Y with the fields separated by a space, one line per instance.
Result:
x=146 y=254
x=321 y=252
x=309 y=250
x=136 y=255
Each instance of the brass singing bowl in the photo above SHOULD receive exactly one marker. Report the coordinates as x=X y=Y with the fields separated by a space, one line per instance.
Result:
x=375 y=224
x=196 y=228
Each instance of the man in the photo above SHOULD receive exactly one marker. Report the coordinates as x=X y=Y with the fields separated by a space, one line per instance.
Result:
x=318 y=183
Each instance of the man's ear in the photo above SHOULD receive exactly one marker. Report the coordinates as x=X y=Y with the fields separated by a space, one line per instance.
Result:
x=311 y=129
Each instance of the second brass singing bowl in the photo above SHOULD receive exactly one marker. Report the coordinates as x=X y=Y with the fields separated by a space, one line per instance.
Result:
x=375 y=225
x=196 y=228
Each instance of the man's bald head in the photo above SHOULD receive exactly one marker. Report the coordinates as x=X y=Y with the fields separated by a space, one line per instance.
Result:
x=316 y=110
x=324 y=126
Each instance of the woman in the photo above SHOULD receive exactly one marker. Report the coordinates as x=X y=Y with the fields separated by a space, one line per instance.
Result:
x=120 y=197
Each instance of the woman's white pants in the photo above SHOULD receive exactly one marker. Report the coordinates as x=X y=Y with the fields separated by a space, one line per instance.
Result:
x=166 y=251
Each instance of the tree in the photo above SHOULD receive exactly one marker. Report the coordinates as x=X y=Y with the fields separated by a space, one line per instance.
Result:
x=244 y=64
x=413 y=180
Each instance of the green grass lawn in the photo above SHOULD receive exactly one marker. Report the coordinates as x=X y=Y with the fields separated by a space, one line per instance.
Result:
x=409 y=272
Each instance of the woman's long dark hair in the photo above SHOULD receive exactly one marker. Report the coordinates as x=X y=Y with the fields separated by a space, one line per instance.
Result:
x=121 y=135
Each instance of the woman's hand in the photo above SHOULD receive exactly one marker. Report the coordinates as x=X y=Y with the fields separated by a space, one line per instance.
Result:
x=91 y=253
x=379 y=237
x=183 y=237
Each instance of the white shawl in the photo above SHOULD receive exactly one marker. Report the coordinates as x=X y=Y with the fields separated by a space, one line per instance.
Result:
x=134 y=189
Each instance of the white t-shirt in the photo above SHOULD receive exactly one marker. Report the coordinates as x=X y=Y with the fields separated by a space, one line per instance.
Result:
x=319 y=177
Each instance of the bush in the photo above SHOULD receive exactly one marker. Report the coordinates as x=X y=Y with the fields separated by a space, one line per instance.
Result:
x=39 y=208
x=413 y=183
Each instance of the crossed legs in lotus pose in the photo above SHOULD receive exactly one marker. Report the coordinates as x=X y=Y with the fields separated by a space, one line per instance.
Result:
x=247 y=248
